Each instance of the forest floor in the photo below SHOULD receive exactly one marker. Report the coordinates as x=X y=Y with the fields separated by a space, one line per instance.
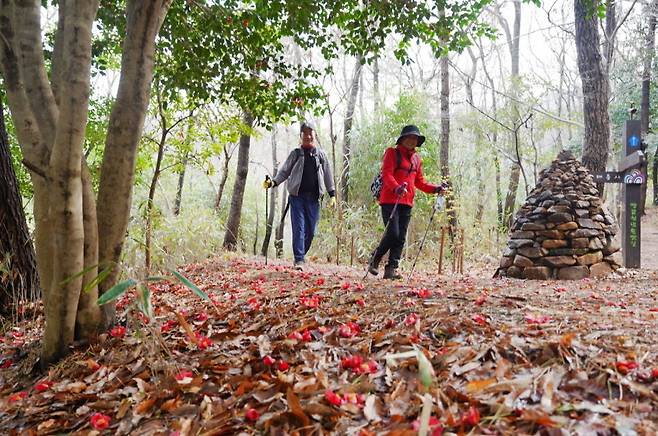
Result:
x=325 y=351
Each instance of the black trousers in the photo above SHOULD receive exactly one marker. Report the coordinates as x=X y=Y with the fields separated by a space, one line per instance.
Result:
x=396 y=234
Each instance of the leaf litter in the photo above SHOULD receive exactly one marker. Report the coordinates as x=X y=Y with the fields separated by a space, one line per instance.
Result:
x=323 y=352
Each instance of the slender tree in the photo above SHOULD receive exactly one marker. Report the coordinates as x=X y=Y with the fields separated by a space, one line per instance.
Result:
x=272 y=200
x=596 y=146
x=242 y=171
x=347 y=129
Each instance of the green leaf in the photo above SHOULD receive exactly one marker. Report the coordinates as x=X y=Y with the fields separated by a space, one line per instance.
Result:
x=98 y=279
x=190 y=285
x=115 y=291
x=145 y=301
x=76 y=275
x=425 y=370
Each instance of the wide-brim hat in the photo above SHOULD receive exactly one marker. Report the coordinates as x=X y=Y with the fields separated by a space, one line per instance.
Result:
x=409 y=131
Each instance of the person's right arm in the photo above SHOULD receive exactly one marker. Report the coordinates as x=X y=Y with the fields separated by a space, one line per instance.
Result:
x=284 y=172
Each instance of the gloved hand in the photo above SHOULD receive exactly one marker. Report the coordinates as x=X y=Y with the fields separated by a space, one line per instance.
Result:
x=401 y=190
x=268 y=183
x=332 y=202
x=442 y=188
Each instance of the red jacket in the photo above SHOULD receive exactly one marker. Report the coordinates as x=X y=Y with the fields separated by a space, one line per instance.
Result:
x=394 y=175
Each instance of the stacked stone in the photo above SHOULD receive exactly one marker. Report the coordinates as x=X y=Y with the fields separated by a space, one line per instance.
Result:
x=563 y=231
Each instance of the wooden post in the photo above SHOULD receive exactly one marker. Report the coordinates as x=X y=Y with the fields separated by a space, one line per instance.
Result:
x=352 y=252
x=461 y=253
x=337 y=250
x=443 y=238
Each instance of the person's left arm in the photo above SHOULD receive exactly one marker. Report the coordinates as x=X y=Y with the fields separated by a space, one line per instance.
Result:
x=421 y=184
x=328 y=175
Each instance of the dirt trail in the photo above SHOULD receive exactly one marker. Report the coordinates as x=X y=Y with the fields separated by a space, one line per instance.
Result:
x=649 y=244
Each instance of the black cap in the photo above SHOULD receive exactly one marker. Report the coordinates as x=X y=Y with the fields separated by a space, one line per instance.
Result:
x=411 y=130
x=306 y=125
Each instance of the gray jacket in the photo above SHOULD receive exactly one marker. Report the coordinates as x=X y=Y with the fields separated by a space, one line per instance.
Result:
x=293 y=168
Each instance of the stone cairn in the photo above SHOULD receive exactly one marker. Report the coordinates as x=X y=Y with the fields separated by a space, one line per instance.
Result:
x=563 y=231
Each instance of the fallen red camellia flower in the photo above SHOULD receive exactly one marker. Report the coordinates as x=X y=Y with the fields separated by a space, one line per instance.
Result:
x=624 y=367
x=118 y=331
x=100 y=421
x=252 y=415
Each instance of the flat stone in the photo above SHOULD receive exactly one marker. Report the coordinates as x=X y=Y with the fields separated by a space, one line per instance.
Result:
x=554 y=243
x=611 y=246
x=506 y=262
x=509 y=252
x=551 y=234
x=581 y=213
x=580 y=243
x=560 y=218
x=587 y=223
x=559 y=209
x=559 y=261
x=530 y=227
x=564 y=251
x=571 y=225
x=590 y=258
x=514 y=271
x=615 y=260
x=522 y=261
x=581 y=204
x=537 y=273
x=519 y=234
x=600 y=269
x=518 y=243
x=547 y=203
x=573 y=273
x=583 y=233
x=598 y=218
x=538 y=211
x=532 y=252
x=550 y=226
x=595 y=244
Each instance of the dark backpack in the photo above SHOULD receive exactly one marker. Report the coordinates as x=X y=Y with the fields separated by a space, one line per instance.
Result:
x=378 y=182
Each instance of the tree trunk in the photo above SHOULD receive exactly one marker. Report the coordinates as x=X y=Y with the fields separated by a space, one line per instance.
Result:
x=444 y=152
x=272 y=200
x=235 y=213
x=375 y=84
x=179 y=191
x=223 y=178
x=347 y=139
x=125 y=128
x=596 y=146
x=649 y=53
x=19 y=280
x=499 y=192
x=148 y=230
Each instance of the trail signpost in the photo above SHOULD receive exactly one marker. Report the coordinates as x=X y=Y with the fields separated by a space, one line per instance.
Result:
x=630 y=174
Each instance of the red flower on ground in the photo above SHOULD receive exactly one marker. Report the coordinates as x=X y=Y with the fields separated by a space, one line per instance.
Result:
x=201 y=316
x=435 y=426
x=283 y=365
x=252 y=415
x=479 y=319
x=6 y=363
x=359 y=287
x=17 y=396
x=167 y=326
x=333 y=398
x=295 y=335
x=43 y=386
x=481 y=300
x=349 y=330
x=471 y=417
x=118 y=331
x=625 y=367
x=203 y=342
x=319 y=282
x=306 y=336
x=184 y=374
x=411 y=319
x=100 y=421
x=268 y=360
x=345 y=286
x=361 y=302
x=537 y=319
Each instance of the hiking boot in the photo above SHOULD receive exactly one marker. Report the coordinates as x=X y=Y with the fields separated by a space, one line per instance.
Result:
x=392 y=273
x=299 y=265
x=373 y=265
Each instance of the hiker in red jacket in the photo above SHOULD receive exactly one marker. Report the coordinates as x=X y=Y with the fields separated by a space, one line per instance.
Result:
x=402 y=173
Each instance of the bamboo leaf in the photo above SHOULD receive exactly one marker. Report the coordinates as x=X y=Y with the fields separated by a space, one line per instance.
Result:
x=115 y=291
x=98 y=279
x=145 y=303
x=194 y=288
x=78 y=274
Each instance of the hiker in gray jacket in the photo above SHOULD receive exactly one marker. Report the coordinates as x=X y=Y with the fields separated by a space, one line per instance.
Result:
x=309 y=176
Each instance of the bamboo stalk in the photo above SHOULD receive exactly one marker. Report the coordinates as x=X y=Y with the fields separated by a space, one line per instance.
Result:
x=443 y=238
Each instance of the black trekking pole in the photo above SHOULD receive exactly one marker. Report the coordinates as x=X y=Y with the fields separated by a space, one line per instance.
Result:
x=438 y=204
x=267 y=215
x=390 y=218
